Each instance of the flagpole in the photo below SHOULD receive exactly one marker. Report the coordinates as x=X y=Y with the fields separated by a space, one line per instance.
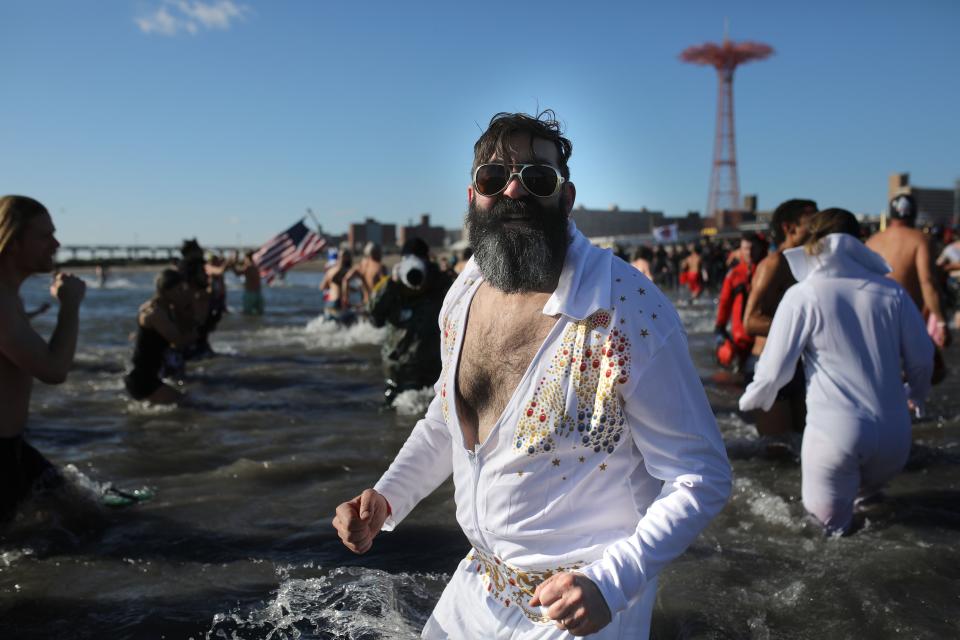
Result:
x=315 y=221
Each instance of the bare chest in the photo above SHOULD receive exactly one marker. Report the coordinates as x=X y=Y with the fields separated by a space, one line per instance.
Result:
x=498 y=347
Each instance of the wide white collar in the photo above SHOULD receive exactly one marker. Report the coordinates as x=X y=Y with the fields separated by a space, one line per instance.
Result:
x=840 y=254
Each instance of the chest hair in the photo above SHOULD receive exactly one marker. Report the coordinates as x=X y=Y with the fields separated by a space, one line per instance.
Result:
x=498 y=347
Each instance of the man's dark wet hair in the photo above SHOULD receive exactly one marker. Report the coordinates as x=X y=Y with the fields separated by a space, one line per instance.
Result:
x=788 y=212
x=191 y=248
x=492 y=144
x=168 y=279
x=417 y=247
x=643 y=252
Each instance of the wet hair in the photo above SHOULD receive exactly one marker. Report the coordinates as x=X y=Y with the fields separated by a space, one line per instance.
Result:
x=417 y=247
x=493 y=142
x=191 y=248
x=788 y=212
x=828 y=221
x=903 y=207
x=15 y=213
x=168 y=279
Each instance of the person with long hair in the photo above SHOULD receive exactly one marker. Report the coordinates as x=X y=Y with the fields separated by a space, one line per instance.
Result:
x=28 y=246
x=860 y=334
x=164 y=321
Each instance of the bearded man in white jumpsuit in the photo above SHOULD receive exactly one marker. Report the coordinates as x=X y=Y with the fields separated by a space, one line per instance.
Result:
x=584 y=454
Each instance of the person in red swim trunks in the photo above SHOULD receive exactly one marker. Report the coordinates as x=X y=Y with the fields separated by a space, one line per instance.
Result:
x=691 y=272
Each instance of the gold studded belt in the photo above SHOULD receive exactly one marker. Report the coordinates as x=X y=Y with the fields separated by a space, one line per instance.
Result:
x=511 y=586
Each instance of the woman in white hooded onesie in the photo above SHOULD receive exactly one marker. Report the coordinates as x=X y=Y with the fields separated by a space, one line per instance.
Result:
x=860 y=335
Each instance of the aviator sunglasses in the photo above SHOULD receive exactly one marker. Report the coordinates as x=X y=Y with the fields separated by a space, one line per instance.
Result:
x=540 y=180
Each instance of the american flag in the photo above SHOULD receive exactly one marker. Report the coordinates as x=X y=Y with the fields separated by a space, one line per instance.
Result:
x=293 y=246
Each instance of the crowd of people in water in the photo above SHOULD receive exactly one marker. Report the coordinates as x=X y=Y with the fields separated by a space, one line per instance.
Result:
x=798 y=385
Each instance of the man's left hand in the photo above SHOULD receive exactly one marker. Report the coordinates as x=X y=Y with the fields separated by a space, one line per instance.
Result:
x=574 y=601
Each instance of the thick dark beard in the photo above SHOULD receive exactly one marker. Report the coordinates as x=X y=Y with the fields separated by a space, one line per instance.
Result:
x=519 y=258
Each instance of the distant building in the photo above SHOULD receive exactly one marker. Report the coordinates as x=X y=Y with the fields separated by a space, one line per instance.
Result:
x=935 y=206
x=360 y=233
x=434 y=236
x=690 y=223
x=612 y=222
x=453 y=236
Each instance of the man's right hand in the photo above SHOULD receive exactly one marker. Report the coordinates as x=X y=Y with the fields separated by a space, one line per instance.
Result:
x=358 y=521
x=68 y=289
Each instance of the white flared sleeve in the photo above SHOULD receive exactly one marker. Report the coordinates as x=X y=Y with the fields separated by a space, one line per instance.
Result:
x=675 y=431
x=789 y=333
x=423 y=463
x=916 y=351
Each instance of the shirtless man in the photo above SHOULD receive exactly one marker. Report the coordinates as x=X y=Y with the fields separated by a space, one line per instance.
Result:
x=788 y=228
x=907 y=251
x=370 y=269
x=334 y=282
x=691 y=272
x=28 y=246
x=584 y=453
x=641 y=261
x=252 y=296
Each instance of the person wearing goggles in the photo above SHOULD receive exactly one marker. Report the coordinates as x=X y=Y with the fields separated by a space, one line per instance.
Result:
x=584 y=453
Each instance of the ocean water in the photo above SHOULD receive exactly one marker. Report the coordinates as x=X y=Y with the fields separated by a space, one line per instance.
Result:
x=287 y=423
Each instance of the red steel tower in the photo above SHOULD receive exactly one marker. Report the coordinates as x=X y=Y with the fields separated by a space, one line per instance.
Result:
x=724 y=186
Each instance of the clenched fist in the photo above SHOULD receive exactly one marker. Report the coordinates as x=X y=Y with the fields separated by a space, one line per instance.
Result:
x=68 y=288
x=574 y=601
x=358 y=521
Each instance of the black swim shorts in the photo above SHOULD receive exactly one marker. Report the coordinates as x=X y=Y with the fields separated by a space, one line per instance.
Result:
x=141 y=386
x=22 y=470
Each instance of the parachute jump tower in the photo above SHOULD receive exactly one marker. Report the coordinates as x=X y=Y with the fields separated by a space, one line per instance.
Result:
x=725 y=58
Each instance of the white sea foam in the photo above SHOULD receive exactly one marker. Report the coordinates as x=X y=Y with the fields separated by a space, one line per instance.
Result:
x=346 y=603
x=767 y=506
x=319 y=333
x=82 y=484
x=413 y=402
x=106 y=384
x=774 y=510
x=8 y=558
x=114 y=283
x=137 y=408
x=324 y=333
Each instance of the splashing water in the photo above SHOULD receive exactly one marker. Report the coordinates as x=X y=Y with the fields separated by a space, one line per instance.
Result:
x=347 y=602
x=413 y=402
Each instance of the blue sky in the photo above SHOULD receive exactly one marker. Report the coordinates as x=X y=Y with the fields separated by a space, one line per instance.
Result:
x=153 y=120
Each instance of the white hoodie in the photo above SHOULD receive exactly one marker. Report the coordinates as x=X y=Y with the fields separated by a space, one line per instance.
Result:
x=858 y=332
